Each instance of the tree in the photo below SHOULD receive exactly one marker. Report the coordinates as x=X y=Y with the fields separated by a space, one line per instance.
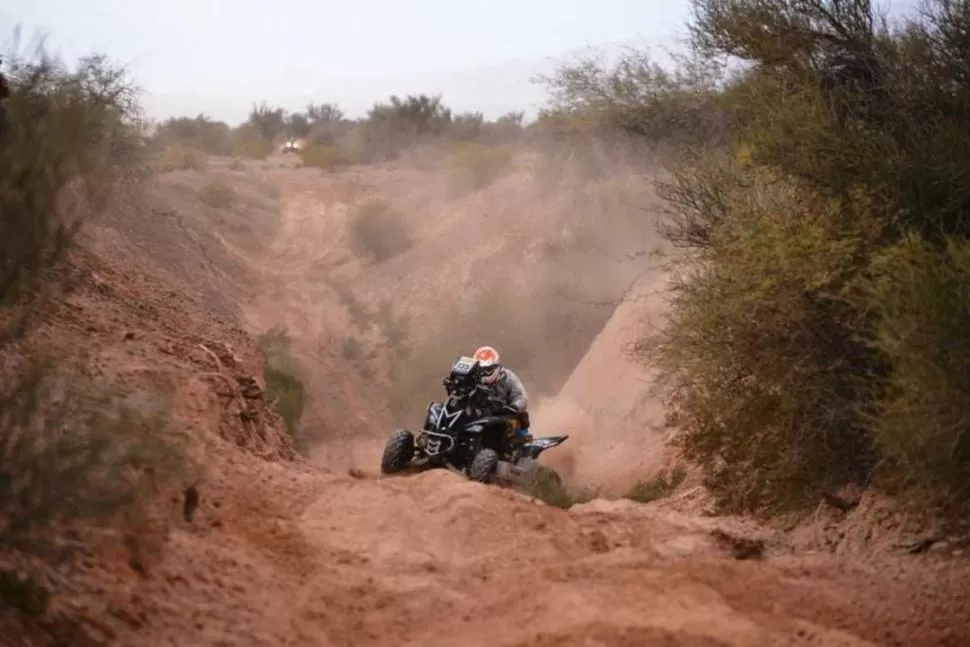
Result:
x=297 y=125
x=415 y=114
x=268 y=122
x=324 y=113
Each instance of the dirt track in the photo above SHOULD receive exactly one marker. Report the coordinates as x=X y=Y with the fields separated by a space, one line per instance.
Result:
x=285 y=553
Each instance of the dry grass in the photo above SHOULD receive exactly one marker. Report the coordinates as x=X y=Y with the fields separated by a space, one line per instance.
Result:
x=475 y=166
x=218 y=195
x=177 y=157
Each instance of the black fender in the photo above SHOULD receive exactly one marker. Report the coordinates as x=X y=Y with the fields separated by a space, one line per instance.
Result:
x=536 y=446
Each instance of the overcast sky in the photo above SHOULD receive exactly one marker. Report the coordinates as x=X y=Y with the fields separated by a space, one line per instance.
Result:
x=219 y=57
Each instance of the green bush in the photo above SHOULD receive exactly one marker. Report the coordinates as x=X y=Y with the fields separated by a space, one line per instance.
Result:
x=377 y=231
x=72 y=452
x=323 y=156
x=199 y=133
x=670 y=109
x=177 y=157
x=247 y=143
x=68 y=140
x=920 y=296
x=284 y=380
x=816 y=329
x=759 y=352
x=399 y=123
x=476 y=166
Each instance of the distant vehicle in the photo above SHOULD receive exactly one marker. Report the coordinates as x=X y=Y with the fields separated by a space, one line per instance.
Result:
x=292 y=146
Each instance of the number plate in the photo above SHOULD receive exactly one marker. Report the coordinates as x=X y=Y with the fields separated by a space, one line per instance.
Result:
x=463 y=366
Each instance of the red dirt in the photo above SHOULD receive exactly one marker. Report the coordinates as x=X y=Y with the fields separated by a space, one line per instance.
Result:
x=285 y=552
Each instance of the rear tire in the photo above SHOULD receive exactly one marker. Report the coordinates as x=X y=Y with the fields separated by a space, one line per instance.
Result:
x=398 y=452
x=549 y=475
x=483 y=466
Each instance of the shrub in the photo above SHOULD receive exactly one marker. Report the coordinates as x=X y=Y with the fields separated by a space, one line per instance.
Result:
x=759 y=352
x=360 y=316
x=266 y=122
x=67 y=141
x=71 y=452
x=476 y=166
x=284 y=380
x=659 y=487
x=377 y=231
x=351 y=349
x=321 y=156
x=74 y=453
x=247 y=143
x=176 y=157
x=395 y=125
x=675 y=109
x=199 y=133
x=920 y=296
x=813 y=334
x=555 y=493
x=218 y=195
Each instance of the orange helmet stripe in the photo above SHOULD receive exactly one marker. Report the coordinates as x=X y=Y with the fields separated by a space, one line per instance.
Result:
x=486 y=354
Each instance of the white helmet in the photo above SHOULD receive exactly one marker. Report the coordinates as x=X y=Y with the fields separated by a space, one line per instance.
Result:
x=489 y=360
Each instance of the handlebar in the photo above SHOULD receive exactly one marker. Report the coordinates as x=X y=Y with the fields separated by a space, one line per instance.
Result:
x=479 y=389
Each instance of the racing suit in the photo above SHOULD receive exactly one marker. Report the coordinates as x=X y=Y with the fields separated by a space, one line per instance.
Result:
x=509 y=389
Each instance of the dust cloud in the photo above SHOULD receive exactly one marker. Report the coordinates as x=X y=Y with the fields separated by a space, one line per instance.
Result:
x=535 y=263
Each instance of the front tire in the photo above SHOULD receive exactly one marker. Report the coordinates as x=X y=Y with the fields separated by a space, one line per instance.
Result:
x=483 y=465
x=398 y=452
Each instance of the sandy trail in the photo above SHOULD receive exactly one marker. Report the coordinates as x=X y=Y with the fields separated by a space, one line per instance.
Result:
x=435 y=560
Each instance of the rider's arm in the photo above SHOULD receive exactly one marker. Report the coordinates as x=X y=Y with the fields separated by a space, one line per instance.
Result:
x=518 y=399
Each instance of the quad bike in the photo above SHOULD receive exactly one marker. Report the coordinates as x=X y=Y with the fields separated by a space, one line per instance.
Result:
x=470 y=433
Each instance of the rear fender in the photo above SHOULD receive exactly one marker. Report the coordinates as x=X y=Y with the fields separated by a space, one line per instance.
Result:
x=534 y=447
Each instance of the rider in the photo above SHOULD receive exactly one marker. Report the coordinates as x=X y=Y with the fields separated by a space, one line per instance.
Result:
x=506 y=386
